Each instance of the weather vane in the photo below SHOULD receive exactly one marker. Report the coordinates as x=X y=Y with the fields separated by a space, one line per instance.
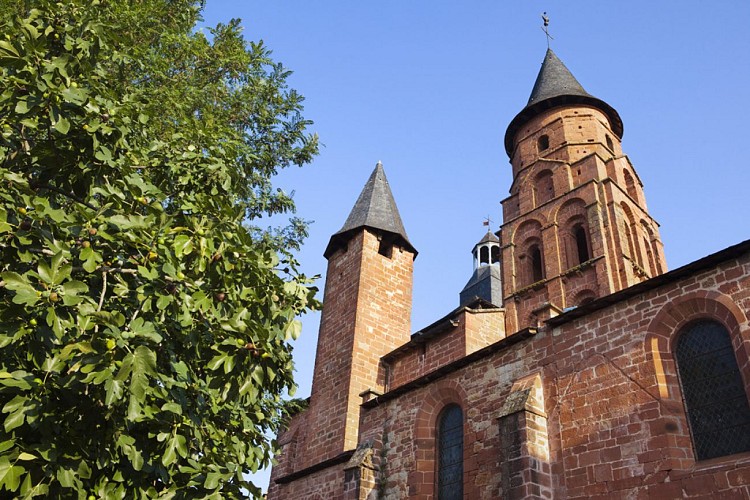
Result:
x=545 y=28
x=486 y=222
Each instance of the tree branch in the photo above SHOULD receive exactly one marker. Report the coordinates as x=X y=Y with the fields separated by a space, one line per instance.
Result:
x=67 y=195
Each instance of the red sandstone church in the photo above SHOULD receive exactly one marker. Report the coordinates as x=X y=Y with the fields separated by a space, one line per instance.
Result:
x=575 y=366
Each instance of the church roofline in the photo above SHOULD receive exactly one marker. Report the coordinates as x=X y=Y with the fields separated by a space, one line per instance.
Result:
x=505 y=343
x=439 y=326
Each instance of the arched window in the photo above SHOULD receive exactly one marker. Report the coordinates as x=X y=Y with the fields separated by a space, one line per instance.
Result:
x=537 y=267
x=630 y=185
x=582 y=243
x=649 y=258
x=654 y=251
x=634 y=255
x=542 y=143
x=610 y=145
x=586 y=300
x=450 y=442
x=715 y=398
x=583 y=298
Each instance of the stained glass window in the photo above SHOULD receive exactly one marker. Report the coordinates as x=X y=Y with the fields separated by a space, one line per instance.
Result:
x=450 y=438
x=715 y=398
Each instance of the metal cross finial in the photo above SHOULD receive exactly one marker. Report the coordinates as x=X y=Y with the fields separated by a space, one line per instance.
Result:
x=545 y=28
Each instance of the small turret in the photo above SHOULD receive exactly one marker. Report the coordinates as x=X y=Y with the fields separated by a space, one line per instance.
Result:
x=485 y=282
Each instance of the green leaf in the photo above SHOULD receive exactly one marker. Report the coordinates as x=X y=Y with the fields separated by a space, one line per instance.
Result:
x=6 y=445
x=182 y=245
x=62 y=125
x=45 y=273
x=114 y=390
x=104 y=154
x=22 y=107
x=25 y=293
x=10 y=475
x=212 y=480
x=293 y=330
x=8 y=50
x=74 y=95
x=172 y=407
x=67 y=477
x=4 y=226
x=74 y=287
x=143 y=365
x=14 y=420
x=149 y=274
x=216 y=362
x=176 y=445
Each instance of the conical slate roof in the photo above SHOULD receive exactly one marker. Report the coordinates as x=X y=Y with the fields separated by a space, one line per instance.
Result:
x=375 y=209
x=556 y=86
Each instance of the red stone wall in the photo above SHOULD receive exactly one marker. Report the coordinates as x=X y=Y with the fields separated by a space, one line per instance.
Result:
x=327 y=484
x=473 y=330
x=367 y=313
x=613 y=411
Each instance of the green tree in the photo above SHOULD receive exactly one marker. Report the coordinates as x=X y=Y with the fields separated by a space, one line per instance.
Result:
x=146 y=317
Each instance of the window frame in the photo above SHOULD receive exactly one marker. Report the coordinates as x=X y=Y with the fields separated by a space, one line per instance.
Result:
x=701 y=452
x=440 y=439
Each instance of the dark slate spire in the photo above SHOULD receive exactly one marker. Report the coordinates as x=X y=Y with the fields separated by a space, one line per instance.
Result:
x=554 y=79
x=556 y=86
x=375 y=209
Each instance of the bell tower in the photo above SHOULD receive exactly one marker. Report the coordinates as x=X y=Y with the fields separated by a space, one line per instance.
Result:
x=366 y=314
x=576 y=226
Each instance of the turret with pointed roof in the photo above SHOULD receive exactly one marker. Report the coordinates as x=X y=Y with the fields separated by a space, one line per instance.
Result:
x=575 y=225
x=375 y=209
x=367 y=314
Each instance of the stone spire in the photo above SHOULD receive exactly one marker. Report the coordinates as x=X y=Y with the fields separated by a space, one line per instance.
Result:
x=556 y=86
x=375 y=209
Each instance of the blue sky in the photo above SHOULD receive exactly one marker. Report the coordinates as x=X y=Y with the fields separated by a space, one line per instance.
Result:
x=429 y=87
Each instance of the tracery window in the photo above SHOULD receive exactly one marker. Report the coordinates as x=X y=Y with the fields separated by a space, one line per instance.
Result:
x=450 y=443
x=715 y=397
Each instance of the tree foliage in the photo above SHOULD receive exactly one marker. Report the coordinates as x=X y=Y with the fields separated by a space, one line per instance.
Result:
x=146 y=318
